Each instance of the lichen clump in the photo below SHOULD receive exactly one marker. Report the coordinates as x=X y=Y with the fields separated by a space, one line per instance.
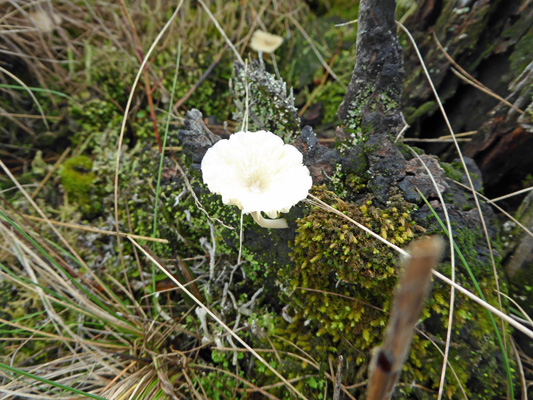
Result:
x=270 y=106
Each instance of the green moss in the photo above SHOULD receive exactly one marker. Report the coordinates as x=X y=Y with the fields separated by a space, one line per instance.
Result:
x=342 y=278
x=77 y=179
x=452 y=171
x=92 y=117
x=330 y=96
x=412 y=114
x=332 y=243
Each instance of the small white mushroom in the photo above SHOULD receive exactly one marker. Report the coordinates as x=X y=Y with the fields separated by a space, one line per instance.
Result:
x=265 y=42
x=45 y=21
x=258 y=173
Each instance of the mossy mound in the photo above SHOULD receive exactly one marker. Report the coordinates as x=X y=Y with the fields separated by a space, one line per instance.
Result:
x=77 y=179
x=341 y=280
x=325 y=242
x=338 y=290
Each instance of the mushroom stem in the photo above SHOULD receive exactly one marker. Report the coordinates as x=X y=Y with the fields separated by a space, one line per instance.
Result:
x=280 y=223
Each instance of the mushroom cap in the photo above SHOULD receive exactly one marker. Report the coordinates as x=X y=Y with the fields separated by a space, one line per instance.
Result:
x=257 y=172
x=44 y=21
x=265 y=42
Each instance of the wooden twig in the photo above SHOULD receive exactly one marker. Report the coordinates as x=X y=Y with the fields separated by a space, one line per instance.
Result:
x=338 y=379
x=387 y=362
x=372 y=100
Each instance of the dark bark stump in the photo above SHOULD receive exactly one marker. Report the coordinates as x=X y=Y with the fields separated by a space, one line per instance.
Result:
x=371 y=115
x=370 y=111
x=373 y=96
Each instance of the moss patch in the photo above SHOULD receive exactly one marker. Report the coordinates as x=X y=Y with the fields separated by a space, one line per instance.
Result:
x=77 y=179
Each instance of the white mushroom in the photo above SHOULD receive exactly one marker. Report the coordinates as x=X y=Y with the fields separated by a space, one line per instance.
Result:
x=257 y=172
x=45 y=21
x=265 y=42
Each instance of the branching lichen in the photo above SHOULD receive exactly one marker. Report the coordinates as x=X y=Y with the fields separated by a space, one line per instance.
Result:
x=270 y=105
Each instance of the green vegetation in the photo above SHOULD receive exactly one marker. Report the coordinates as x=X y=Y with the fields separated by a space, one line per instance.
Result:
x=77 y=179
x=84 y=312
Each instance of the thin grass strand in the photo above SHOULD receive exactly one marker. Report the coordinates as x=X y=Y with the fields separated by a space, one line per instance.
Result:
x=452 y=267
x=15 y=78
x=474 y=193
x=217 y=25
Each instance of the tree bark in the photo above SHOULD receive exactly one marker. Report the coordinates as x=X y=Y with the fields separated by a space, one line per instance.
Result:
x=371 y=110
x=373 y=97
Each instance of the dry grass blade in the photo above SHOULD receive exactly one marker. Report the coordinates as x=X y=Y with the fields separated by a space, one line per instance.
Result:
x=228 y=41
x=95 y=230
x=31 y=116
x=407 y=305
x=315 y=50
x=128 y=107
x=436 y=140
x=465 y=76
x=520 y=370
x=527 y=317
x=147 y=87
x=491 y=201
x=486 y=90
x=460 y=137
